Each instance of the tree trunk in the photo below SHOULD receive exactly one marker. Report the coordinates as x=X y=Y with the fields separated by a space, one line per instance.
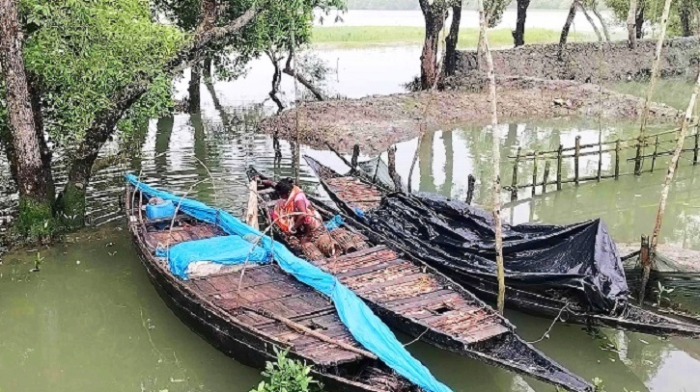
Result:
x=652 y=83
x=631 y=23
x=276 y=79
x=685 y=12
x=640 y=21
x=594 y=9
x=195 y=95
x=496 y=157
x=591 y=21
x=207 y=70
x=519 y=32
x=452 y=39
x=435 y=15
x=36 y=195
x=567 y=26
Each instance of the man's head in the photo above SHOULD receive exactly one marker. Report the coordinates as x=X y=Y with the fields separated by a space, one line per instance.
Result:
x=284 y=187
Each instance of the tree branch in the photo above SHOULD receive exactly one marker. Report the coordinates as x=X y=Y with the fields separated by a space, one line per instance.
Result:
x=307 y=83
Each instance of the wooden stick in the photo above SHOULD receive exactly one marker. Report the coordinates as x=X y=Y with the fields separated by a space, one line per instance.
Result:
x=656 y=151
x=534 y=176
x=471 y=181
x=391 y=159
x=355 y=156
x=652 y=82
x=252 y=211
x=308 y=331
x=559 y=162
x=645 y=261
x=496 y=156
x=600 y=153
x=546 y=175
x=415 y=159
x=695 y=150
x=514 y=183
x=576 y=158
x=617 y=159
x=339 y=155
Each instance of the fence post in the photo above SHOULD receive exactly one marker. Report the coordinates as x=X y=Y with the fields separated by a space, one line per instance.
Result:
x=514 y=184
x=638 y=157
x=534 y=175
x=653 y=156
x=559 y=159
x=695 y=150
x=355 y=156
x=546 y=176
x=471 y=181
x=577 y=152
x=645 y=262
x=617 y=159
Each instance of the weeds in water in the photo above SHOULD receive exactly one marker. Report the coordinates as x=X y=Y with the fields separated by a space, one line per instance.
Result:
x=37 y=262
x=287 y=375
x=661 y=294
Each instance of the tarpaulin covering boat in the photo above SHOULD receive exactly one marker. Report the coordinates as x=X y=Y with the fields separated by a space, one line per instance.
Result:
x=571 y=272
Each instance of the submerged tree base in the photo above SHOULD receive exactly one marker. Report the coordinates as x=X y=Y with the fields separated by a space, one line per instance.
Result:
x=35 y=221
x=377 y=122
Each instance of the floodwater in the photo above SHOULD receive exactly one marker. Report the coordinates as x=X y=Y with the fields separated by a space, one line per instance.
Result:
x=89 y=320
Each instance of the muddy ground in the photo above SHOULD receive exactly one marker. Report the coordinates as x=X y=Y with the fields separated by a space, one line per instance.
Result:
x=377 y=122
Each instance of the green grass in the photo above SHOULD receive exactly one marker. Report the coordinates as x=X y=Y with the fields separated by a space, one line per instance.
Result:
x=368 y=36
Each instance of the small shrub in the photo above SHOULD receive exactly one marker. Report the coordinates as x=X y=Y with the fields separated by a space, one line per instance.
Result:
x=287 y=375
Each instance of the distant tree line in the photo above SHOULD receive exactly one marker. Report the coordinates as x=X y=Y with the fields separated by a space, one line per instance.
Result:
x=406 y=5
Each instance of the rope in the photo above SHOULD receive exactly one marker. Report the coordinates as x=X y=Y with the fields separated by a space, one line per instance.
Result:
x=546 y=333
x=418 y=338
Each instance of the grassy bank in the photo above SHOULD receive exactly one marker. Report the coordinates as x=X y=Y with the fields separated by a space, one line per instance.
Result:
x=368 y=36
x=673 y=92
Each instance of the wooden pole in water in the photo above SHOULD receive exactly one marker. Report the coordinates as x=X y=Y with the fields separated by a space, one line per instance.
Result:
x=656 y=150
x=391 y=159
x=251 y=216
x=534 y=174
x=600 y=154
x=546 y=177
x=559 y=162
x=415 y=159
x=355 y=156
x=514 y=183
x=577 y=152
x=697 y=144
x=667 y=182
x=496 y=160
x=652 y=83
x=644 y=260
x=617 y=158
x=471 y=182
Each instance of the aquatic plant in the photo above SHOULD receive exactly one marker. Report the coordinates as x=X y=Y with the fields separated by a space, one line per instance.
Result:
x=288 y=375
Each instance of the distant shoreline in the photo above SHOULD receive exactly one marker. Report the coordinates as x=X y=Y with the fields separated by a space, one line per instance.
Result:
x=352 y=37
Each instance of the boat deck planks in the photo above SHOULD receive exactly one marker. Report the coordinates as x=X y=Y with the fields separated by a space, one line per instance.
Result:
x=267 y=287
x=381 y=276
x=355 y=192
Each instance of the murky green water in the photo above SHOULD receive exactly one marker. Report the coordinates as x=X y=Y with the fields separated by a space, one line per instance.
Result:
x=90 y=320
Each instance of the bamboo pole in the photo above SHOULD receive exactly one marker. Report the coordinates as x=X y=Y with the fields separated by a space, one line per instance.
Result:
x=654 y=78
x=355 y=156
x=644 y=260
x=496 y=137
x=695 y=150
x=514 y=183
x=667 y=182
x=534 y=176
x=559 y=162
x=251 y=216
x=617 y=159
x=546 y=176
x=577 y=153
x=308 y=331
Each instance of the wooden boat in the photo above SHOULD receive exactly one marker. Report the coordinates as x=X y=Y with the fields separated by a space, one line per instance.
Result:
x=421 y=302
x=248 y=317
x=354 y=190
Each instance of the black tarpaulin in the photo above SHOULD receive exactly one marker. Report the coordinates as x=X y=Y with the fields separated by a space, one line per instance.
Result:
x=578 y=260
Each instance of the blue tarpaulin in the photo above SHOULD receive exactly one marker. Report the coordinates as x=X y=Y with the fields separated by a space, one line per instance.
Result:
x=362 y=323
x=230 y=249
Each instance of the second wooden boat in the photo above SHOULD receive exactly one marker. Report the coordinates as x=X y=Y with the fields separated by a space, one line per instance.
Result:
x=423 y=303
x=355 y=191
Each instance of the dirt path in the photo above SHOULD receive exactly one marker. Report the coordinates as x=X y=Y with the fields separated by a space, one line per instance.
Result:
x=377 y=122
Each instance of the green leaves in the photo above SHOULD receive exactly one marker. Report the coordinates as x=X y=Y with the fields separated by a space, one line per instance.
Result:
x=287 y=375
x=82 y=52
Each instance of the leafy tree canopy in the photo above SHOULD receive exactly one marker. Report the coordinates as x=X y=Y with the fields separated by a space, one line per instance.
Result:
x=653 y=10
